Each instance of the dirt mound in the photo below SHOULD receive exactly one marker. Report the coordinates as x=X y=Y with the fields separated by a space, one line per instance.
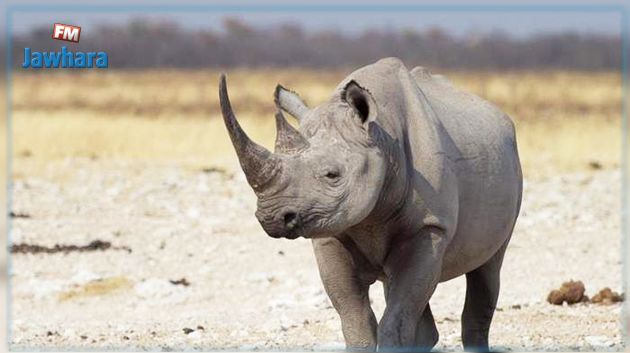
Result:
x=573 y=292
x=607 y=296
x=570 y=292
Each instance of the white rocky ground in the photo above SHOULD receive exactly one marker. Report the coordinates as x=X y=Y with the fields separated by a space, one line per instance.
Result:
x=248 y=291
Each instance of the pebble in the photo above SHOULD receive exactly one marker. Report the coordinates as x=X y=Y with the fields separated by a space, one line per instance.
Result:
x=598 y=341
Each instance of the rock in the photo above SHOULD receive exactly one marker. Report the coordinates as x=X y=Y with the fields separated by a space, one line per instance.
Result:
x=598 y=341
x=182 y=281
x=595 y=165
x=194 y=335
x=159 y=291
x=83 y=276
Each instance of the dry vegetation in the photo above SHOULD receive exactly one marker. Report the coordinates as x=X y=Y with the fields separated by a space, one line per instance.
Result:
x=566 y=121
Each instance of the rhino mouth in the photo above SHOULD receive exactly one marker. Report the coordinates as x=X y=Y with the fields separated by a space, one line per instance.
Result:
x=284 y=228
x=289 y=223
x=291 y=234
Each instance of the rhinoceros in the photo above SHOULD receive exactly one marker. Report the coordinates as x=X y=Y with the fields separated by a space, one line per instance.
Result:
x=399 y=177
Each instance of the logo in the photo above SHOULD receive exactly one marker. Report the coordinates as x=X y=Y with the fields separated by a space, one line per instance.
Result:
x=66 y=32
x=65 y=58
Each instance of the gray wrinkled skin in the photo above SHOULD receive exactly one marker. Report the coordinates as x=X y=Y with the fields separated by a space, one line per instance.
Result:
x=399 y=177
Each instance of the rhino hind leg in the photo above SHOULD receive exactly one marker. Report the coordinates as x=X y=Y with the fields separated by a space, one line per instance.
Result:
x=426 y=333
x=482 y=292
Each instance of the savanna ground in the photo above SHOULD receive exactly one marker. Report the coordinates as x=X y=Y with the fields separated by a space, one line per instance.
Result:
x=140 y=161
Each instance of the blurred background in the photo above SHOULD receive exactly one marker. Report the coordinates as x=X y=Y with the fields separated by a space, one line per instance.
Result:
x=136 y=156
x=544 y=69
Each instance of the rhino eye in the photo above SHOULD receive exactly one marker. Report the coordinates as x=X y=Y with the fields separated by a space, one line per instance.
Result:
x=332 y=174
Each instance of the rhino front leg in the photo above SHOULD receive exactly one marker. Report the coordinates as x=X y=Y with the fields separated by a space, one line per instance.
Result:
x=426 y=333
x=348 y=294
x=413 y=268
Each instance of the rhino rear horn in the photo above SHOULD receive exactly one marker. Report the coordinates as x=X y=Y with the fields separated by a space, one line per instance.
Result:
x=258 y=164
x=288 y=139
x=290 y=102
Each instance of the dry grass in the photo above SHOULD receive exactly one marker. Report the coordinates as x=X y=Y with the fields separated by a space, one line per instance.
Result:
x=97 y=288
x=192 y=140
x=565 y=121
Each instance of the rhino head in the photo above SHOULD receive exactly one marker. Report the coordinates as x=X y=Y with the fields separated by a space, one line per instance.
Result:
x=320 y=181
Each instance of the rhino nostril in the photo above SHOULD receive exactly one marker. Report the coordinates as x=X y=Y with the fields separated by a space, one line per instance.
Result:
x=290 y=220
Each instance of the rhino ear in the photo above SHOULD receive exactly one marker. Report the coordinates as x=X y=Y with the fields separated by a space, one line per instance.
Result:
x=361 y=100
x=290 y=102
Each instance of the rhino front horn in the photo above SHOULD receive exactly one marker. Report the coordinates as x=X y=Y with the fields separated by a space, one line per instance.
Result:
x=288 y=139
x=257 y=162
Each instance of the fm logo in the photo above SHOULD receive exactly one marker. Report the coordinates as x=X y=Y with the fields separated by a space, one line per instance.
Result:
x=67 y=33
